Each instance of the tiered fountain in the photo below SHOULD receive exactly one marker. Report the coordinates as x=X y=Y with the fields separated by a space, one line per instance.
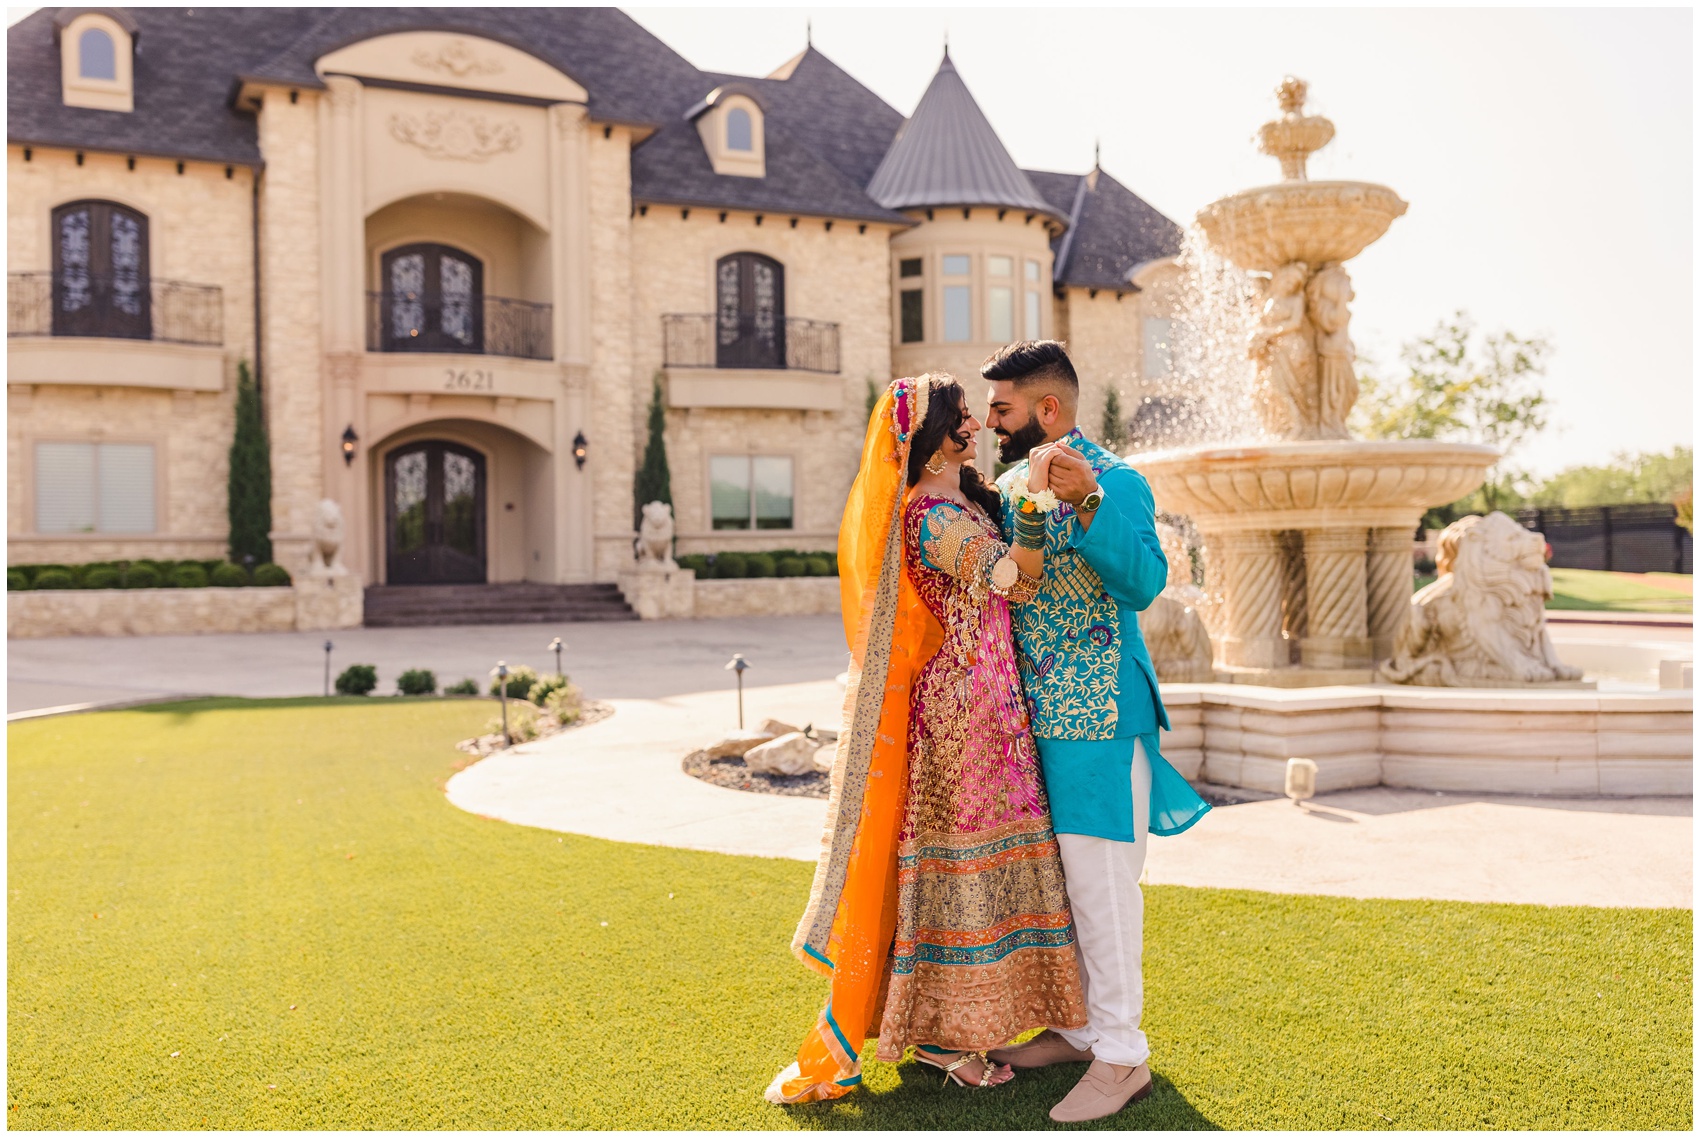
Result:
x=1307 y=535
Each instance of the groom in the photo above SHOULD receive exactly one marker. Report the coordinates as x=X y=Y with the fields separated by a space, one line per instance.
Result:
x=1095 y=710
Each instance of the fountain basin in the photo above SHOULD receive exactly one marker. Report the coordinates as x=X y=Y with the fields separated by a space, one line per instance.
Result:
x=1264 y=228
x=1308 y=485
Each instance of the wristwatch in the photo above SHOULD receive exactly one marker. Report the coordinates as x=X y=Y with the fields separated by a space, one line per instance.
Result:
x=1091 y=502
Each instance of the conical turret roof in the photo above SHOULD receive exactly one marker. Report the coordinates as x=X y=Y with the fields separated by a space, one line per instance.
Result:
x=948 y=154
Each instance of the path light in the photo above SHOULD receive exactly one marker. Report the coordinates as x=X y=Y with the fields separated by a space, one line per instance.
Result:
x=1301 y=780
x=500 y=671
x=555 y=646
x=738 y=664
x=327 y=667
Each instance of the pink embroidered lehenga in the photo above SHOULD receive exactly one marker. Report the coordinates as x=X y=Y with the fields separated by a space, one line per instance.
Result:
x=985 y=943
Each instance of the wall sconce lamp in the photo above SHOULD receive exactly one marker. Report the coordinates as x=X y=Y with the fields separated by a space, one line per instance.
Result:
x=581 y=448
x=349 y=439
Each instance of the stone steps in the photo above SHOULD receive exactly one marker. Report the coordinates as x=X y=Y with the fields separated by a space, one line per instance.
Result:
x=415 y=606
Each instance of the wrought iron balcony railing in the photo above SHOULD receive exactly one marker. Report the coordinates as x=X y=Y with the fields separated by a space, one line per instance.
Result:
x=119 y=306
x=703 y=340
x=479 y=325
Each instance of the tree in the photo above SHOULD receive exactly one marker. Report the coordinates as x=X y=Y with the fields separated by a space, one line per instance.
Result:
x=1629 y=479
x=1458 y=388
x=249 y=492
x=1115 y=423
x=654 y=483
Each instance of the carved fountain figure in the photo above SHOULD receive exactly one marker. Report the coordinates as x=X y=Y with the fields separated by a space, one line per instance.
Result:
x=1307 y=532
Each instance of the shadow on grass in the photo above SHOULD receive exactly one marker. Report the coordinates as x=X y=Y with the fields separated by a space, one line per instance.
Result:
x=920 y=1101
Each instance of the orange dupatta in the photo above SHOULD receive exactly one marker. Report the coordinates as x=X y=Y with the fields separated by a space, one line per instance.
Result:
x=847 y=930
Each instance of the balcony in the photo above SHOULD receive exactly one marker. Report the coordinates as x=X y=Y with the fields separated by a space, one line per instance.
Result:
x=697 y=340
x=478 y=326
x=114 y=307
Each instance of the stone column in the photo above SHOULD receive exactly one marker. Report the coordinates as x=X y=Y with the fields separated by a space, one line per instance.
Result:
x=1335 y=576
x=1390 y=570
x=1253 y=578
x=1295 y=620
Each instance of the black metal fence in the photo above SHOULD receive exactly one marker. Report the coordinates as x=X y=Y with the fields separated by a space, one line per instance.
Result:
x=697 y=340
x=1623 y=539
x=480 y=326
x=117 y=306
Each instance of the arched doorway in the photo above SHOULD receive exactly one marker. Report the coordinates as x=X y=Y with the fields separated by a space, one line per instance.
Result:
x=749 y=311
x=434 y=514
x=432 y=300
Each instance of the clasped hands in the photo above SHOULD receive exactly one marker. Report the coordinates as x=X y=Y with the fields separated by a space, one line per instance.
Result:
x=1061 y=469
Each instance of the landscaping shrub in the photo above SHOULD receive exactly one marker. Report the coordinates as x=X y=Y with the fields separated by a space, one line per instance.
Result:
x=102 y=577
x=357 y=679
x=270 y=574
x=188 y=576
x=16 y=582
x=697 y=561
x=793 y=567
x=420 y=681
x=820 y=567
x=761 y=565
x=141 y=576
x=55 y=579
x=520 y=680
x=544 y=688
x=227 y=575
x=731 y=565
x=522 y=723
x=565 y=703
x=465 y=687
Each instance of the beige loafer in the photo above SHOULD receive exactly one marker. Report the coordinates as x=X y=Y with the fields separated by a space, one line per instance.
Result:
x=1042 y=1050
x=1103 y=1090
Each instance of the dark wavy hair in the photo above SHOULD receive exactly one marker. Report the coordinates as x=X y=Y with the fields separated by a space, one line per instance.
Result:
x=945 y=418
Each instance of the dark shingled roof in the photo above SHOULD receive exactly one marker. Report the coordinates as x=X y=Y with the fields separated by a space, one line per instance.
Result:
x=1110 y=230
x=948 y=154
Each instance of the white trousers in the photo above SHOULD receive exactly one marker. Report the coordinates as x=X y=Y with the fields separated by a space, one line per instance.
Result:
x=1109 y=927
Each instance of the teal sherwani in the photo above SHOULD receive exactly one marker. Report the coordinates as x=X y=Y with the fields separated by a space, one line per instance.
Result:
x=1091 y=689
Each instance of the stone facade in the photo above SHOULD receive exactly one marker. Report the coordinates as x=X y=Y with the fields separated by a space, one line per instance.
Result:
x=508 y=164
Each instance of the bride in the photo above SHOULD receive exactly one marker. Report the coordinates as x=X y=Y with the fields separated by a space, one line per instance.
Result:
x=938 y=907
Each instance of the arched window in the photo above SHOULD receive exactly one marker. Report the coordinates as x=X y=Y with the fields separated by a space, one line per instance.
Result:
x=749 y=312
x=100 y=271
x=97 y=55
x=432 y=300
x=739 y=130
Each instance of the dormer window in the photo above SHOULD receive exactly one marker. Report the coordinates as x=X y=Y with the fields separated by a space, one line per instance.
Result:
x=96 y=52
x=739 y=130
x=729 y=121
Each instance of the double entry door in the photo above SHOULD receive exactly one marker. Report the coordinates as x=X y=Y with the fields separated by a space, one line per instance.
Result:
x=434 y=515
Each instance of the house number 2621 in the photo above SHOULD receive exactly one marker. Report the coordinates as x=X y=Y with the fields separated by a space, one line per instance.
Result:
x=474 y=380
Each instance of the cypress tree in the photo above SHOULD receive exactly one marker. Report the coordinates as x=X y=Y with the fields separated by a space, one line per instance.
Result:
x=1115 y=427
x=250 y=488
x=654 y=483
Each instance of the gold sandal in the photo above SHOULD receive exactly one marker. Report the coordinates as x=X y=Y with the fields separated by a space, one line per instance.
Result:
x=964 y=1058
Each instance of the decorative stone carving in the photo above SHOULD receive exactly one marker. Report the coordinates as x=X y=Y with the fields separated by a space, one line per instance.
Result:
x=1284 y=349
x=456 y=135
x=1174 y=629
x=1483 y=622
x=1295 y=135
x=326 y=555
x=459 y=58
x=655 y=537
x=1329 y=294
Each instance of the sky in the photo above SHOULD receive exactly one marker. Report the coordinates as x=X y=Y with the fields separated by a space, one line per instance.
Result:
x=1547 y=155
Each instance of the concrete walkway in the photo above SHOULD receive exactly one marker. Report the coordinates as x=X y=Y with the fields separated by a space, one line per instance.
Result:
x=620 y=779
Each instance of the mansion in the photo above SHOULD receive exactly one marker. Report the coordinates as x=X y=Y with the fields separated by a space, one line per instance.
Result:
x=458 y=249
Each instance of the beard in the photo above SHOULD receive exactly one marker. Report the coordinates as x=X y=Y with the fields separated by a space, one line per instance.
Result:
x=1021 y=441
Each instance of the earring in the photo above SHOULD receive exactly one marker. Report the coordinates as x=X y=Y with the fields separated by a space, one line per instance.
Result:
x=936 y=464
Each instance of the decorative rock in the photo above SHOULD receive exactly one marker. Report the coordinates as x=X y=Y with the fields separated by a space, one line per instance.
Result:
x=791 y=754
x=777 y=728
x=825 y=757
x=737 y=744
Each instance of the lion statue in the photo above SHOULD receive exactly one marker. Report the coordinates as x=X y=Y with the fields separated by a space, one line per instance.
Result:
x=1483 y=623
x=1174 y=629
x=327 y=540
x=655 y=537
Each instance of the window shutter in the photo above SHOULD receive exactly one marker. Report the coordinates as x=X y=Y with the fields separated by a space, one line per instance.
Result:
x=64 y=487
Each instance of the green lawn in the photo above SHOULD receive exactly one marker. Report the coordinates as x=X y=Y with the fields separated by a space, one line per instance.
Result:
x=1588 y=589
x=264 y=915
